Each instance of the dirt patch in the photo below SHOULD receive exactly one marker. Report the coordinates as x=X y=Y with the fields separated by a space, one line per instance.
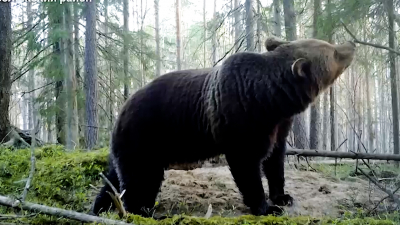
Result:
x=191 y=192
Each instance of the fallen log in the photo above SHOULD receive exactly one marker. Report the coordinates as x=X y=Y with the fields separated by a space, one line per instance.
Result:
x=6 y=201
x=348 y=155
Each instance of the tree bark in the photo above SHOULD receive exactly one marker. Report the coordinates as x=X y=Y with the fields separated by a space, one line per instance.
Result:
x=214 y=34
x=5 y=72
x=91 y=134
x=70 y=81
x=249 y=25
x=315 y=122
x=125 y=49
x=205 y=34
x=393 y=80
x=299 y=123
x=259 y=42
x=237 y=24
x=277 y=18
x=157 y=28
x=178 y=35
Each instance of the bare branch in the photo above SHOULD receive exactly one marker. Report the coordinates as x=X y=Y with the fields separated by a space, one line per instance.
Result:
x=116 y=197
x=349 y=155
x=391 y=195
x=367 y=43
x=6 y=201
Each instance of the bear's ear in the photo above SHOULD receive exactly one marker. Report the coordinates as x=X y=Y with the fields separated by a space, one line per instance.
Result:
x=273 y=42
x=301 y=67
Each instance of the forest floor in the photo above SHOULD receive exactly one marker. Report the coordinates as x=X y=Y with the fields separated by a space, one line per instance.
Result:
x=68 y=180
x=316 y=194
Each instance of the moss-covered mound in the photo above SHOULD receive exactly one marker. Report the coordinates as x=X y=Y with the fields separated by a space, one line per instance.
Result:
x=63 y=179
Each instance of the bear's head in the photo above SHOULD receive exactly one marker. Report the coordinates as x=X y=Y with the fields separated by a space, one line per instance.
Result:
x=317 y=59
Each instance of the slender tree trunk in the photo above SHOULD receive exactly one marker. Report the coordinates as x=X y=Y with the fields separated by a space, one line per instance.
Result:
x=299 y=122
x=31 y=73
x=110 y=101
x=325 y=121
x=249 y=25
x=205 y=34
x=78 y=117
x=393 y=81
x=125 y=49
x=158 y=52
x=5 y=69
x=259 y=42
x=55 y=20
x=237 y=24
x=315 y=122
x=214 y=34
x=277 y=18
x=70 y=81
x=91 y=135
x=178 y=35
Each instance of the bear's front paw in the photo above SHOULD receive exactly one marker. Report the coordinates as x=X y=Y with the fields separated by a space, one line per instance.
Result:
x=274 y=210
x=282 y=200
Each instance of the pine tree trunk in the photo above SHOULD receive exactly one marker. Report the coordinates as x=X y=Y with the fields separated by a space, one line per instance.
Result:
x=393 y=81
x=299 y=122
x=249 y=25
x=158 y=52
x=259 y=42
x=5 y=69
x=178 y=35
x=277 y=18
x=91 y=135
x=70 y=82
x=125 y=49
x=205 y=34
x=315 y=122
x=237 y=25
x=214 y=34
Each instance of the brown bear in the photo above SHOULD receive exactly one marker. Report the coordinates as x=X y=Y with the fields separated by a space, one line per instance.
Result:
x=242 y=108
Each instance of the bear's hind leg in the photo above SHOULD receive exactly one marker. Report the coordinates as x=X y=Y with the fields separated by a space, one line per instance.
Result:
x=141 y=182
x=247 y=176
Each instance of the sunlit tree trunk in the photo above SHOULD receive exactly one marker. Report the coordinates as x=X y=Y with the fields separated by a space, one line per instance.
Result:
x=91 y=134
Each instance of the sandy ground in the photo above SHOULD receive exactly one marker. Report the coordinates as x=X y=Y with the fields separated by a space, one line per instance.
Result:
x=192 y=191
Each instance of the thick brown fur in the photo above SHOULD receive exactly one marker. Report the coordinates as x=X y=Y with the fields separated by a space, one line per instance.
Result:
x=242 y=108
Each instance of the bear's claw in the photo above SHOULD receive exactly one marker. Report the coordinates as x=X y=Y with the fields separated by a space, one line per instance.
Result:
x=282 y=200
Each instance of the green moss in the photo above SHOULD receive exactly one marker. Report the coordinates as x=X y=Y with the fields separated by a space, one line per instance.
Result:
x=62 y=179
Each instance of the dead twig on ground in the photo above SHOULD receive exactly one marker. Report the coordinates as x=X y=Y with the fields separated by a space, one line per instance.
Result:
x=116 y=197
x=390 y=193
x=383 y=199
x=6 y=201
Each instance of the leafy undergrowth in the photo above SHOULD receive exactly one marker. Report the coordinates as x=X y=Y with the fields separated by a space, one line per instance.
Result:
x=63 y=179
